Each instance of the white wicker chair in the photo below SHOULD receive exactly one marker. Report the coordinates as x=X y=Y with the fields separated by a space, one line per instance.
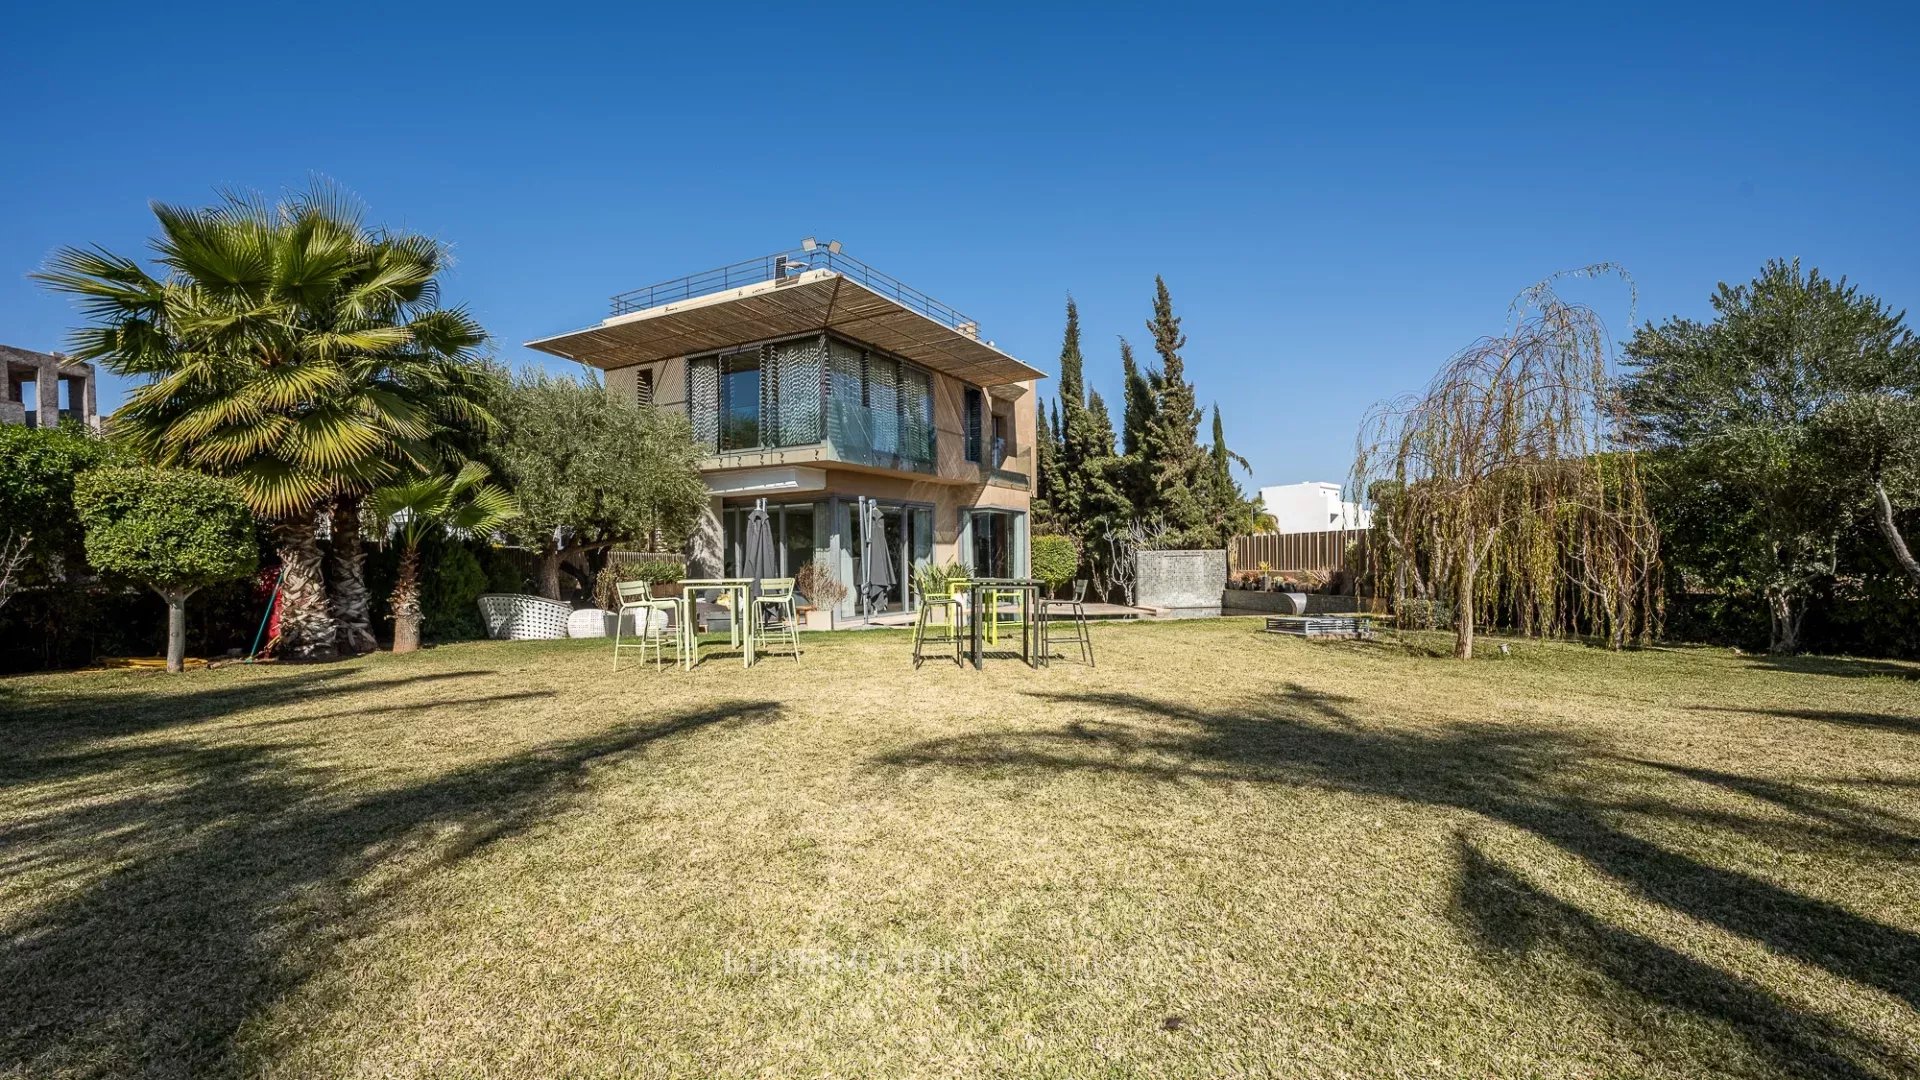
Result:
x=524 y=618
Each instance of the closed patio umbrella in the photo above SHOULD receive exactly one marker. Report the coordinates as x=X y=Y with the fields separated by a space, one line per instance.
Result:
x=876 y=569
x=759 y=561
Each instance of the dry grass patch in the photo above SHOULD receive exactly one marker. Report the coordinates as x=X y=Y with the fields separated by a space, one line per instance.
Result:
x=1218 y=853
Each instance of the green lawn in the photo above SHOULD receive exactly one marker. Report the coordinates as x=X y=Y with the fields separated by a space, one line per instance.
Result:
x=1219 y=853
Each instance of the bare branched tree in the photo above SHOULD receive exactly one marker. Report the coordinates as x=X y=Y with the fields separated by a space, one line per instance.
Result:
x=13 y=559
x=1507 y=484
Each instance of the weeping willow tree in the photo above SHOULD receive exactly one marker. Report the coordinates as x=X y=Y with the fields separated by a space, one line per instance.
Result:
x=1507 y=491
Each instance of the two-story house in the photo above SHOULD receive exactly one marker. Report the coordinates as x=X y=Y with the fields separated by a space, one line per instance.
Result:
x=821 y=385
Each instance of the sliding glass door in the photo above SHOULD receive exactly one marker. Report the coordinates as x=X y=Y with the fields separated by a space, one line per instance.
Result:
x=905 y=534
x=994 y=542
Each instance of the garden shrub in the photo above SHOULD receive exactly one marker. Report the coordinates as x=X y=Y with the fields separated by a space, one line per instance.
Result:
x=1054 y=560
x=1416 y=614
x=450 y=590
x=37 y=471
x=651 y=571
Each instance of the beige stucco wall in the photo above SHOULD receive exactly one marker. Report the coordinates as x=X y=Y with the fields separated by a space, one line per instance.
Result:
x=669 y=383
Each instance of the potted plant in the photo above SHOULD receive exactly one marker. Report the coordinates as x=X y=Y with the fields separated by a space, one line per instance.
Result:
x=663 y=576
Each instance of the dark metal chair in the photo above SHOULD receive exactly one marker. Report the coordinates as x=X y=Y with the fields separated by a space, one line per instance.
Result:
x=1072 y=615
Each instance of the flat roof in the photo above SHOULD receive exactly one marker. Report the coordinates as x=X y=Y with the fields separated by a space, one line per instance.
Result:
x=809 y=302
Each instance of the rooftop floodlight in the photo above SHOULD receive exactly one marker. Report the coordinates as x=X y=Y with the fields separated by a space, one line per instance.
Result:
x=833 y=247
x=809 y=244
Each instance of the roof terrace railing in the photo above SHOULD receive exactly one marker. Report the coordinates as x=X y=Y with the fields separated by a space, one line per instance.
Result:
x=785 y=264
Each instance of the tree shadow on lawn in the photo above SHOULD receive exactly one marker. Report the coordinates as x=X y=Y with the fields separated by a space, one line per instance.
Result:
x=37 y=721
x=1839 y=666
x=1551 y=785
x=235 y=872
x=1520 y=923
x=1905 y=725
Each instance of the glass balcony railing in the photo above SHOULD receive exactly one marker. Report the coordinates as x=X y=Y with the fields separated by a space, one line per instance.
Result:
x=1009 y=466
x=882 y=438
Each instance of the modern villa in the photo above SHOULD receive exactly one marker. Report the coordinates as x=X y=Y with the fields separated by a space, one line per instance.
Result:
x=821 y=385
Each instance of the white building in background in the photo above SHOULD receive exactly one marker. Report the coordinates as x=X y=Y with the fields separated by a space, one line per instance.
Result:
x=1312 y=507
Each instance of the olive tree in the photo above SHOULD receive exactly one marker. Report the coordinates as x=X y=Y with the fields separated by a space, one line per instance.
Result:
x=172 y=530
x=590 y=470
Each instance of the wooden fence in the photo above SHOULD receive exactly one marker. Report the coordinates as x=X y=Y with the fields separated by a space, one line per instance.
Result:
x=1323 y=552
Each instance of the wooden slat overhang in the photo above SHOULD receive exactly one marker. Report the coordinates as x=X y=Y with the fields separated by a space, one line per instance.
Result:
x=806 y=303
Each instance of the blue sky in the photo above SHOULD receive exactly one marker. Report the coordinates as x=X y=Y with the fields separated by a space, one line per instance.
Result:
x=1338 y=200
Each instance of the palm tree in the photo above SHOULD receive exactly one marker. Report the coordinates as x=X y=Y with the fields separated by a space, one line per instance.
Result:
x=435 y=379
x=290 y=348
x=463 y=503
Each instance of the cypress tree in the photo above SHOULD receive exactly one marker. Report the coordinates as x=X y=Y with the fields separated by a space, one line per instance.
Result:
x=1175 y=469
x=1046 y=478
x=1137 y=405
x=1222 y=473
x=1136 y=411
x=1072 y=387
x=1103 y=496
x=1232 y=512
x=1099 y=428
x=1071 y=455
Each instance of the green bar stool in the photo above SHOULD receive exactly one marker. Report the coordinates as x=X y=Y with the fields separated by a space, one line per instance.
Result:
x=935 y=612
x=652 y=615
x=776 y=599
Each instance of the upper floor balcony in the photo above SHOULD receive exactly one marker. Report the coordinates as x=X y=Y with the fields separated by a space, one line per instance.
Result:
x=811 y=289
x=822 y=399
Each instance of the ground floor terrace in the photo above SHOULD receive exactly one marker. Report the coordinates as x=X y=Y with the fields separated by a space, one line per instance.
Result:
x=844 y=518
x=1220 y=853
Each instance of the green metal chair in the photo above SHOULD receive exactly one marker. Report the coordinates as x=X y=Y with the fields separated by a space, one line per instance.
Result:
x=957 y=611
x=637 y=600
x=776 y=599
x=990 y=603
x=934 y=611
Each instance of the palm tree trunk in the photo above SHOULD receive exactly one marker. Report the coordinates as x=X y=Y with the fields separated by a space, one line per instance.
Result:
x=406 y=602
x=352 y=606
x=307 y=629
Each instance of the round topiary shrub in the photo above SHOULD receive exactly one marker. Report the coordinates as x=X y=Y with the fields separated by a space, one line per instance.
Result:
x=173 y=531
x=1054 y=560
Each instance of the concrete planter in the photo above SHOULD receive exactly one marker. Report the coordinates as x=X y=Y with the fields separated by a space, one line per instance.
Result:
x=1252 y=602
x=1264 y=603
x=1180 y=583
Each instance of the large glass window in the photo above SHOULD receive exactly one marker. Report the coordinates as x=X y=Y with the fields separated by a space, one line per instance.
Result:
x=992 y=554
x=880 y=409
x=973 y=402
x=740 y=401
